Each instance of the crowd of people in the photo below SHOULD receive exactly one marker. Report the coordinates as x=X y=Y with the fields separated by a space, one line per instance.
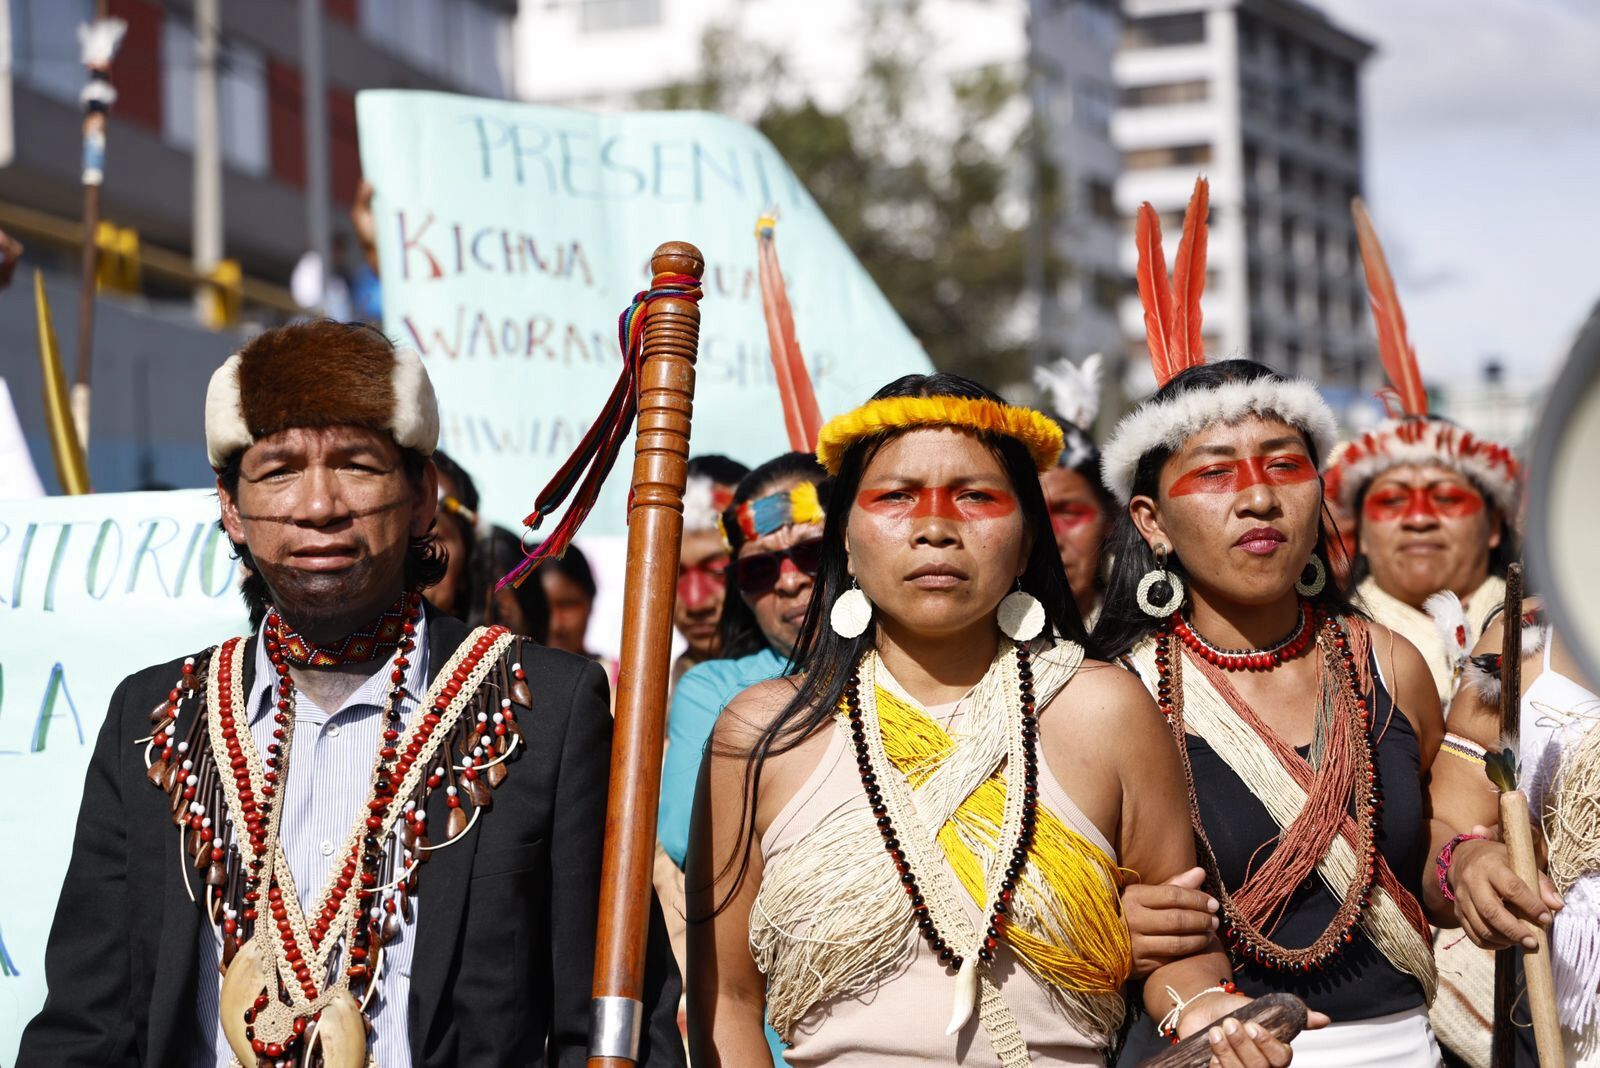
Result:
x=988 y=742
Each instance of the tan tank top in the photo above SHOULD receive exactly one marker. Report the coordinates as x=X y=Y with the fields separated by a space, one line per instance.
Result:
x=902 y=1019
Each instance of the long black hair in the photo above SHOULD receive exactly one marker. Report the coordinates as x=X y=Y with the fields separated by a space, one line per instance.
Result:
x=1123 y=624
x=826 y=659
x=740 y=633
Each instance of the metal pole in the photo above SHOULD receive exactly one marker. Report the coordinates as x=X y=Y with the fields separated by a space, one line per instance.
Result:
x=315 y=95
x=207 y=238
x=94 y=136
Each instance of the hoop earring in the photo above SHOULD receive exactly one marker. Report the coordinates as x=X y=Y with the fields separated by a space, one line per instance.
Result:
x=1160 y=576
x=1021 y=616
x=1310 y=587
x=851 y=614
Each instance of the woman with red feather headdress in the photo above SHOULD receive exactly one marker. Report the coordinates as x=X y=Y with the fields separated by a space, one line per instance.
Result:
x=1304 y=730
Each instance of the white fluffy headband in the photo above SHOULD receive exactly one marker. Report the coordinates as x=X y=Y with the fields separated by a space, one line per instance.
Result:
x=1168 y=424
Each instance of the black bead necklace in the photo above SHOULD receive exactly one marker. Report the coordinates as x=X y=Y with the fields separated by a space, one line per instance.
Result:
x=999 y=913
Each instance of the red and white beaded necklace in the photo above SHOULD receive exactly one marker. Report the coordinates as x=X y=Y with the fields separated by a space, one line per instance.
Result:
x=308 y=963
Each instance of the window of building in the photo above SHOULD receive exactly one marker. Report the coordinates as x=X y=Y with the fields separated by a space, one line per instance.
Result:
x=241 y=97
x=1164 y=31
x=1102 y=198
x=601 y=16
x=1170 y=156
x=1146 y=96
x=1108 y=290
x=1094 y=101
x=44 y=45
x=464 y=42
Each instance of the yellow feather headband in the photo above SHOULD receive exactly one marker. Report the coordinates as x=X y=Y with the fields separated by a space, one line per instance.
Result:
x=1039 y=433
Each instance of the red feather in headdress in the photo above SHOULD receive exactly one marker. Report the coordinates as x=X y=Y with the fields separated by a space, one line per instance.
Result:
x=1172 y=306
x=801 y=416
x=1394 y=347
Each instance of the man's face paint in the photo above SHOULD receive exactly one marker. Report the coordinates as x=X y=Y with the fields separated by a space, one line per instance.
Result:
x=1069 y=516
x=1433 y=502
x=699 y=584
x=964 y=504
x=1231 y=476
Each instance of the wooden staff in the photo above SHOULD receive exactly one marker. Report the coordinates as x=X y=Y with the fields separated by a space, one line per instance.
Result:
x=1516 y=828
x=655 y=534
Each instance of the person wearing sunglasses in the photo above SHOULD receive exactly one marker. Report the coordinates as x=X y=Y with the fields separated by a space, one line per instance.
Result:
x=773 y=535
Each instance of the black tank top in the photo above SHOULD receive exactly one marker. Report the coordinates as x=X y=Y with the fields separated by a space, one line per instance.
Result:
x=1358 y=983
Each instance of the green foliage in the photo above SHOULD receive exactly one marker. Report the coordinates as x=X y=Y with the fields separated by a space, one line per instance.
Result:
x=910 y=176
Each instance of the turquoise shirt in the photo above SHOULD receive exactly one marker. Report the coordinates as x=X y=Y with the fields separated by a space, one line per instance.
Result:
x=702 y=694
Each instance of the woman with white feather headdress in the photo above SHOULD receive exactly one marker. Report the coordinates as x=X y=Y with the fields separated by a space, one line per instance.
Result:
x=1080 y=507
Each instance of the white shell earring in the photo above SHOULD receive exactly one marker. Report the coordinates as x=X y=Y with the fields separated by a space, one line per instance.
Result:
x=1318 y=577
x=851 y=614
x=1160 y=576
x=1021 y=616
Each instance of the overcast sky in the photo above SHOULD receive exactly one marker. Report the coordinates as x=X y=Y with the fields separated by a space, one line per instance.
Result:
x=1483 y=172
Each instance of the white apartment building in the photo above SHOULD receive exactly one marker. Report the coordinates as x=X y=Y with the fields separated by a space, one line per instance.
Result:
x=605 y=53
x=1262 y=97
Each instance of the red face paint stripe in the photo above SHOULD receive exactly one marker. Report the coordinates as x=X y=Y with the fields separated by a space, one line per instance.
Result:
x=1231 y=476
x=1439 y=500
x=959 y=506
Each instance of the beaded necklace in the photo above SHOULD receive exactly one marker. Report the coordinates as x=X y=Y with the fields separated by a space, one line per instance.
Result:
x=1346 y=775
x=1001 y=906
x=1289 y=647
x=228 y=799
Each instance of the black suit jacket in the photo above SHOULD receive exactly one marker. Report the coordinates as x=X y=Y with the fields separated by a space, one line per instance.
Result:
x=505 y=932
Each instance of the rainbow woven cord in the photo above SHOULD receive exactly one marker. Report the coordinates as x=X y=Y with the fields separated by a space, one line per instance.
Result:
x=764 y=515
x=586 y=469
x=1038 y=432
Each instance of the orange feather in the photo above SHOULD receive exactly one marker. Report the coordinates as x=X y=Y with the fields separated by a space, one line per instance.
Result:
x=1155 y=292
x=1189 y=280
x=1394 y=347
x=801 y=415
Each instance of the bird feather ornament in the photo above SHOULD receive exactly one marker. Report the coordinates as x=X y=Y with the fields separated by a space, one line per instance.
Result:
x=1073 y=389
x=1450 y=619
x=1172 y=318
x=1394 y=344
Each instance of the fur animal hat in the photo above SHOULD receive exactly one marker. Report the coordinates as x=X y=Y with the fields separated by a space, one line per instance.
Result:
x=315 y=374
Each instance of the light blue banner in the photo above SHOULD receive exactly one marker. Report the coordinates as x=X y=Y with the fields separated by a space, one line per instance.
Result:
x=92 y=589
x=511 y=236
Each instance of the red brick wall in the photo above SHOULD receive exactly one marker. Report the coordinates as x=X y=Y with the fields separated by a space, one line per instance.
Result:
x=286 y=126
x=344 y=151
x=136 y=72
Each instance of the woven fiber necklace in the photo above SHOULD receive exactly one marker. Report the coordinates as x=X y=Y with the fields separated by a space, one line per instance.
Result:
x=890 y=801
x=1345 y=774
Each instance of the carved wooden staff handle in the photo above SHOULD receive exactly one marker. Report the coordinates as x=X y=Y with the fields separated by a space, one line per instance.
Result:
x=1281 y=1015
x=655 y=533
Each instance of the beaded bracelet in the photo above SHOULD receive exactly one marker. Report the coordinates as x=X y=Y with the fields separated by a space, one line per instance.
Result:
x=1169 y=1023
x=1442 y=864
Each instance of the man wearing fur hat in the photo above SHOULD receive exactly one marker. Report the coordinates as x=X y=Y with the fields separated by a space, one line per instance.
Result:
x=361 y=835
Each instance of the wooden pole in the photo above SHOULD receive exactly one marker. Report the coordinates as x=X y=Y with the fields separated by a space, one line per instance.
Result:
x=1516 y=830
x=1282 y=1015
x=655 y=534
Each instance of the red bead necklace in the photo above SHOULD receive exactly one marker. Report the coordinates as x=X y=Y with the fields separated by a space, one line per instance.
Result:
x=1290 y=647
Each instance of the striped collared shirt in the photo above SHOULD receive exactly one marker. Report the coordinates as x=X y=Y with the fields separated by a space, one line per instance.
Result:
x=330 y=775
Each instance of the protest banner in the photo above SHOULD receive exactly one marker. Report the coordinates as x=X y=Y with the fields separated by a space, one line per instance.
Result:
x=92 y=589
x=511 y=235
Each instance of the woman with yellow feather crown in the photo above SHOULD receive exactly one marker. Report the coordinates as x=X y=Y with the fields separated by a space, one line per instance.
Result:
x=1303 y=731
x=912 y=851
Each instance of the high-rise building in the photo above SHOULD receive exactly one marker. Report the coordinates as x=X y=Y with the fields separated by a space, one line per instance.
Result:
x=1263 y=97
x=610 y=53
